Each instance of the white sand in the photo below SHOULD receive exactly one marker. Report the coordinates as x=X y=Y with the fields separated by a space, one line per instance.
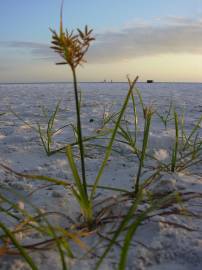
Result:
x=158 y=244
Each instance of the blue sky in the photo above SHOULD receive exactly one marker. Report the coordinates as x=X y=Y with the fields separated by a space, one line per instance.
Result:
x=25 y=37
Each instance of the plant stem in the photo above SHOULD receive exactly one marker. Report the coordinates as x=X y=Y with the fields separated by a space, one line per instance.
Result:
x=144 y=148
x=79 y=129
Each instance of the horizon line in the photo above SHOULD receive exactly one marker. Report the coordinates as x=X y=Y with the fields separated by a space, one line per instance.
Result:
x=71 y=82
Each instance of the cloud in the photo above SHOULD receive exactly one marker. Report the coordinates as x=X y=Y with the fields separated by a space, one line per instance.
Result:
x=22 y=44
x=172 y=35
x=4 y=68
x=164 y=36
x=37 y=50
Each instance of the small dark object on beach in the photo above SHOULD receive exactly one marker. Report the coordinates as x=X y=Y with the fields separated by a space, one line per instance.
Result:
x=150 y=81
x=91 y=120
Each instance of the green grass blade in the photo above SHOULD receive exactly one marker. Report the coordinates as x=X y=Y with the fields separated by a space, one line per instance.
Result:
x=43 y=139
x=49 y=230
x=53 y=116
x=38 y=177
x=134 y=226
x=135 y=115
x=175 y=149
x=121 y=227
x=194 y=130
x=75 y=173
x=148 y=118
x=128 y=239
x=109 y=147
x=140 y=98
x=21 y=250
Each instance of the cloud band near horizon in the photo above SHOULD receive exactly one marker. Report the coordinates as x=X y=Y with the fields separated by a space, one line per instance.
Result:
x=174 y=35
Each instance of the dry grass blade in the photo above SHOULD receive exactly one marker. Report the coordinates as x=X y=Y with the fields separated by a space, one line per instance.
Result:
x=38 y=177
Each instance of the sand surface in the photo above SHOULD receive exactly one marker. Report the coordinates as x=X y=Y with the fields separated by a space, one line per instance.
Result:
x=159 y=244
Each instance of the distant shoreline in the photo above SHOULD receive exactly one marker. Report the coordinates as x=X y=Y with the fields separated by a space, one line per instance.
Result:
x=8 y=83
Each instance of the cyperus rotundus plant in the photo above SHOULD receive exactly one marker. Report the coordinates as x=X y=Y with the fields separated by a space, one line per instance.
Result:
x=72 y=48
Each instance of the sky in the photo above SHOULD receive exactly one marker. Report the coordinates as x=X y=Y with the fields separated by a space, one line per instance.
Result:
x=155 y=39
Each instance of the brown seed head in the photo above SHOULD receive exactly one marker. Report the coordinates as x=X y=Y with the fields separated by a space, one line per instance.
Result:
x=71 y=47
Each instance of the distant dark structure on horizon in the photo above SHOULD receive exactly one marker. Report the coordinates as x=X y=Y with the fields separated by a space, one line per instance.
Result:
x=150 y=81
x=106 y=81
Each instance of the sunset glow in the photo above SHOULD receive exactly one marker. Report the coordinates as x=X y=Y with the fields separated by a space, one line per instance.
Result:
x=162 y=41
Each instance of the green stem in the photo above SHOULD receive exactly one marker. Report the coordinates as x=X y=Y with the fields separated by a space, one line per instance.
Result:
x=80 y=142
x=144 y=148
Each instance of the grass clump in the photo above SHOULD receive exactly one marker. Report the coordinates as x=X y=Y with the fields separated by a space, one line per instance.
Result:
x=143 y=204
x=72 y=48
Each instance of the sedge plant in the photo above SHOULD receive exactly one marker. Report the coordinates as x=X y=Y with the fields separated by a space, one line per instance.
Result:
x=48 y=130
x=72 y=48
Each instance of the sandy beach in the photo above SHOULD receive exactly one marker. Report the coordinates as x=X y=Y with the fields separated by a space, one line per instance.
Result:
x=167 y=239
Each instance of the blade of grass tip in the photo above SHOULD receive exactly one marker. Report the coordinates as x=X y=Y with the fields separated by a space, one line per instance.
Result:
x=109 y=147
x=49 y=130
x=60 y=128
x=124 y=134
x=161 y=118
x=166 y=119
x=194 y=150
x=44 y=111
x=175 y=150
x=121 y=227
x=21 y=119
x=43 y=140
x=53 y=116
x=128 y=131
x=140 y=98
x=21 y=250
x=74 y=129
x=183 y=133
x=109 y=118
x=196 y=127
